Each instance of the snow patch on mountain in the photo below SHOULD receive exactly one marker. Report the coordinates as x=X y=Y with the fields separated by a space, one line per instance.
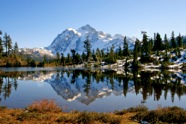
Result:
x=37 y=53
x=74 y=39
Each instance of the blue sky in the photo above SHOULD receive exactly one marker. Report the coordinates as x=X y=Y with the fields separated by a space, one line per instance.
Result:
x=35 y=23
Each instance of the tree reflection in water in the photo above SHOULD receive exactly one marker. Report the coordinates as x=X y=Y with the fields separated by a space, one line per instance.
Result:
x=7 y=82
x=156 y=84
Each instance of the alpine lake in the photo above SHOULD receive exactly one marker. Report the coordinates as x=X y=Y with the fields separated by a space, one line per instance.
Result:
x=99 y=90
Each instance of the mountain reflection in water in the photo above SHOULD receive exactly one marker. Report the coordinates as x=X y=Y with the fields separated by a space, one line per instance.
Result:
x=85 y=86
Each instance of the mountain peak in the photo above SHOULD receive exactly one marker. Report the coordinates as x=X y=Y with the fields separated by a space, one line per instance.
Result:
x=86 y=28
x=74 y=39
x=70 y=29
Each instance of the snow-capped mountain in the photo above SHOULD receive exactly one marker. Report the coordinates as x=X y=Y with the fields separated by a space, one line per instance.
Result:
x=36 y=53
x=81 y=91
x=74 y=39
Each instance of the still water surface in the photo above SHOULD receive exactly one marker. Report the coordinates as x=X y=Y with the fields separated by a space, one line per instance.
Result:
x=92 y=90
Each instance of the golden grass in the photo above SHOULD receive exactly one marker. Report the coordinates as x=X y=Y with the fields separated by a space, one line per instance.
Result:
x=47 y=112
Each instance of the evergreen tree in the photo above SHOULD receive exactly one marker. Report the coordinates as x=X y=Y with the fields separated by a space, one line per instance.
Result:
x=9 y=44
x=111 y=56
x=107 y=53
x=154 y=39
x=5 y=42
x=173 y=41
x=16 y=48
x=145 y=50
x=158 y=43
x=120 y=51
x=28 y=59
x=73 y=56
x=87 y=47
x=178 y=52
x=57 y=57
x=125 y=47
x=84 y=56
x=1 y=45
x=166 y=44
x=102 y=54
x=98 y=54
x=77 y=58
x=32 y=63
x=44 y=58
x=136 y=53
x=62 y=59
x=42 y=64
x=150 y=45
x=180 y=40
x=94 y=55
x=68 y=58
x=112 y=51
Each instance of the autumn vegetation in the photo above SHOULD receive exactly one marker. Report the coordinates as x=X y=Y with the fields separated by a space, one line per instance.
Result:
x=47 y=111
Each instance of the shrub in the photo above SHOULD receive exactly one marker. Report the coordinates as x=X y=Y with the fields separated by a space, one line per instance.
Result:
x=41 y=64
x=28 y=116
x=174 y=58
x=9 y=64
x=84 y=118
x=33 y=63
x=2 y=108
x=17 y=64
x=165 y=64
x=139 y=108
x=156 y=62
x=166 y=59
x=44 y=106
x=122 y=112
x=106 y=118
x=89 y=118
x=166 y=115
